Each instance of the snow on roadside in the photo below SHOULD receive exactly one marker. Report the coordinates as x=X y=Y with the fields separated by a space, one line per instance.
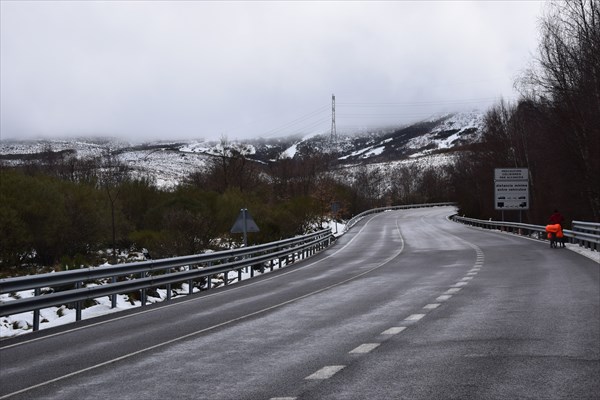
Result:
x=591 y=254
x=19 y=324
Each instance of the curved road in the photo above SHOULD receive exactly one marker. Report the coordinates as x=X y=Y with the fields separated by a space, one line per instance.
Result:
x=407 y=305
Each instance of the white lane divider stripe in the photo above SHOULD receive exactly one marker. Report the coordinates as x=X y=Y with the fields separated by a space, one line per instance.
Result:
x=365 y=348
x=283 y=398
x=432 y=306
x=443 y=297
x=453 y=290
x=326 y=372
x=394 y=330
x=414 y=317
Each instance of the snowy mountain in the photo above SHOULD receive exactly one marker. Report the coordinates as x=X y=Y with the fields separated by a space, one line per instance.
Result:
x=168 y=163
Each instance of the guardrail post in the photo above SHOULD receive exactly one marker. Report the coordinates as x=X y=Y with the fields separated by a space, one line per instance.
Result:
x=288 y=251
x=113 y=297
x=78 y=305
x=143 y=291
x=36 y=313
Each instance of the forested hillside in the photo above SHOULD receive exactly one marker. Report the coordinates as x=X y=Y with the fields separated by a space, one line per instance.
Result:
x=554 y=129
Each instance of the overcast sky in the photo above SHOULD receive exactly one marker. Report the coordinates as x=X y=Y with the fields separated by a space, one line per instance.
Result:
x=145 y=70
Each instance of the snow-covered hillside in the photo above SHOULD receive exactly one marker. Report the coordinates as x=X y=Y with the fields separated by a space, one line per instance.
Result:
x=424 y=138
x=449 y=132
x=165 y=167
x=168 y=163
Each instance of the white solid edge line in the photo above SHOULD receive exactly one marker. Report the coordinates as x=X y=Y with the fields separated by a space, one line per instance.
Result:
x=217 y=293
x=210 y=328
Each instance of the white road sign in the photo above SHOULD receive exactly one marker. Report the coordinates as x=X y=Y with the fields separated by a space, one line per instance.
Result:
x=511 y=189
x=511 y=174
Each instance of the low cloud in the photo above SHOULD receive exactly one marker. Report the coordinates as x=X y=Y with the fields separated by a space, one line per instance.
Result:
x=158 y=70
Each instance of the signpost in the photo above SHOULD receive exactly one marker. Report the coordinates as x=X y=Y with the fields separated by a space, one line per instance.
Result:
x=244 y=224
x=335 y=209
x=511 y=189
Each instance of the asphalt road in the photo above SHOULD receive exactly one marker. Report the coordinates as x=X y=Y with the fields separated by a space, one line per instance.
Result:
x=407 y=305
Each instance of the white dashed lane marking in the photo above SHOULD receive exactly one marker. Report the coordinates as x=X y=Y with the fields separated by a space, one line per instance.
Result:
x=365 y=348
x=326 y=372
x=329 y=371
x=414 y=317
x=393 y=331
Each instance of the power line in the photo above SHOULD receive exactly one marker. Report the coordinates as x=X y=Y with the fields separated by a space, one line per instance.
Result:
x=421 y=103
x=297 y=121
x=318 y=116
x=333 y=132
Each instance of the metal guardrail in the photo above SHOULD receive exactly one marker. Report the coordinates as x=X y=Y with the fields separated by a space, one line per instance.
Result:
x=586 y=234
x=354 y=220
x=68 y=287
x=586 y=227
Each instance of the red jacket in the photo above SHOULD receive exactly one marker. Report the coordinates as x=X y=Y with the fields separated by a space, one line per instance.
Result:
x=556 y=218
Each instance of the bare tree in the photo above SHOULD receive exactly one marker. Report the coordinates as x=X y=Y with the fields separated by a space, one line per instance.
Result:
x=566 y=79
x=111 y=176
x=230 y=169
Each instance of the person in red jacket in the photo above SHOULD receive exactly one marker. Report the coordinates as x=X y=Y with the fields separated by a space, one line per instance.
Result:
x=556 y=218
x=557 y=235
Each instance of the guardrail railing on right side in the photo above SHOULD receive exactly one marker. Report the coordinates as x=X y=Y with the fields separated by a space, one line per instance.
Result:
x=354 y=220
x=585 y=234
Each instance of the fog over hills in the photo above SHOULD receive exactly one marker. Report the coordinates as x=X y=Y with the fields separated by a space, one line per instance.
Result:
x=167 y=163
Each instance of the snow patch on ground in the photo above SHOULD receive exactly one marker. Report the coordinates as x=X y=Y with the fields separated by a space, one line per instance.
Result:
x=19 y=324
x=291 y=151
x=467 y=126
x=166 y=168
